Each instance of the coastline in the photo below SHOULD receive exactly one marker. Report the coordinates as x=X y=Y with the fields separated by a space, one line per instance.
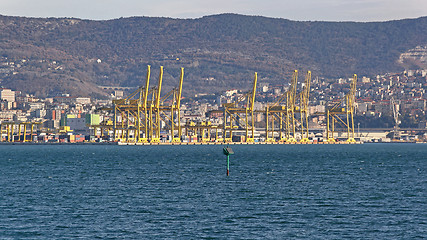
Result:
x=200 y=143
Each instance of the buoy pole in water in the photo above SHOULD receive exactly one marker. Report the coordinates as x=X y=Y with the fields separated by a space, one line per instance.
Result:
x=227 y=152
x=228 y=165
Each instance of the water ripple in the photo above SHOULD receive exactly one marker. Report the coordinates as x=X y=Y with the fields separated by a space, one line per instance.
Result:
x=181 y=192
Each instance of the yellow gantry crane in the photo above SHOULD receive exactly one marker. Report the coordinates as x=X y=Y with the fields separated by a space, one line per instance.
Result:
x=203 y=130
x=157 y=123
x=282 y=113
x=336 y=113
x=171 y=114
x=303 y=110
x=236 y=115
x=103 y=128
x=131 y=115
x=21 y=131
x=138 y=117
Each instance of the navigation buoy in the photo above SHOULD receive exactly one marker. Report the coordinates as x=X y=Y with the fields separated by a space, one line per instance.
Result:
x=227 y=152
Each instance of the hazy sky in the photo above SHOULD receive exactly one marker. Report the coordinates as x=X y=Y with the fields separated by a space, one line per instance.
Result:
x=329 y=10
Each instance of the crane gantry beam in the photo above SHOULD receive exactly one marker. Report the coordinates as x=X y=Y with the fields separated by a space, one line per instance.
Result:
x=283 y=107
x=22 y=130
x=336 y=112
x=130 y=115
x=137 y=118
x=175 y=108
x=304 y=97
x=157 y=126
x=233 y=114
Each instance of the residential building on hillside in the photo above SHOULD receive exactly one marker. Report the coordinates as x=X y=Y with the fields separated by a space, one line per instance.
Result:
x=7 y=95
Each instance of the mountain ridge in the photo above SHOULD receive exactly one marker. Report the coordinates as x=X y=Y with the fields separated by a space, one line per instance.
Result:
x=218 y=51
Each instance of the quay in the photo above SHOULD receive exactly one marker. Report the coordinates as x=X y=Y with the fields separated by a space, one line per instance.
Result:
x=175 y=143
x=239 y=143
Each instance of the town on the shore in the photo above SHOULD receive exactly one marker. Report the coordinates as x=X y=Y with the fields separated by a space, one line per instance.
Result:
x=384 y=102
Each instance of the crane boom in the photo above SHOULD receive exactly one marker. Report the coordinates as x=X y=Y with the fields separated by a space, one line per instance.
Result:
x=178 y=97
x=159 y=87
x=147 y=82
x=253 y=92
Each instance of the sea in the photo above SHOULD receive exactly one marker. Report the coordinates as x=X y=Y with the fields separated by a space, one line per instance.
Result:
x=367 y=191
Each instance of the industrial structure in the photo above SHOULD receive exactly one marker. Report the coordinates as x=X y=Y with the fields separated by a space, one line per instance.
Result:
x=18 y=131
x=304 y=97
x=396 y=114
x=342 y=113
x=281 y=116
x=237 y=115
x=148 y=116
x=138 y=117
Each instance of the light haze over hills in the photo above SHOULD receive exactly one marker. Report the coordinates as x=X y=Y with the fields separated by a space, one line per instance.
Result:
x=302 y=10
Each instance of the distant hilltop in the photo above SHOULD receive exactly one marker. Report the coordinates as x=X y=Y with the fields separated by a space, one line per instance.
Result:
x=48 y=56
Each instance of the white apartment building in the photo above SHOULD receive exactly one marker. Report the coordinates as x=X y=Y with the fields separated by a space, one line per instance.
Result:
x=7 y=95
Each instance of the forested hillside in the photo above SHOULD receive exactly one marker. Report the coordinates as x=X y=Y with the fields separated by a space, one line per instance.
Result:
x=51 y=56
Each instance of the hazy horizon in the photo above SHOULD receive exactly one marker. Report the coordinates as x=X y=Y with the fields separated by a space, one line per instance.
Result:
x=216 y=14
x=303 y=10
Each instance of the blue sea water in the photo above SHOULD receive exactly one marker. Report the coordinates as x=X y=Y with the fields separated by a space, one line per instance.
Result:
x=370 y=191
